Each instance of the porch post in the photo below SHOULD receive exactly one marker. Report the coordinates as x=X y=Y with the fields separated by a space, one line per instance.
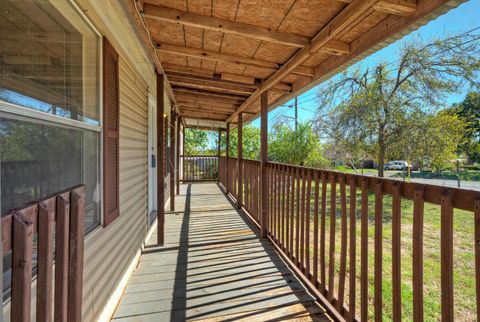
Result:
x=239 y=160
x=173 y=117
x=160 y=173
x=219 y=153
x=177 y=168
x=263 y=164
x=183 y=153
x=227 y=155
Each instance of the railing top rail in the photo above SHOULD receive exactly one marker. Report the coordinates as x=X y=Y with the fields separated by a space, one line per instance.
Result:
x=199 y=155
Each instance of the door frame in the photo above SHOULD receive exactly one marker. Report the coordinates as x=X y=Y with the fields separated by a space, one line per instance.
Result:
x=152 y=159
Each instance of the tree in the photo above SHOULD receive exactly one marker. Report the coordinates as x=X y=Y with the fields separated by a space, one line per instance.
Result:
x=251 y=142
x=427 y=139
x=196 y=141
x=301 y=147
x=469 y=111
x=372 y=106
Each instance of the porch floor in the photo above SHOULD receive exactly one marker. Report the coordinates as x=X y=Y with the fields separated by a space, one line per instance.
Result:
x=213 y=267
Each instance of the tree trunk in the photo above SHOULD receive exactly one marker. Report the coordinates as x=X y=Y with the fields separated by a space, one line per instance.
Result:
x=381 y=151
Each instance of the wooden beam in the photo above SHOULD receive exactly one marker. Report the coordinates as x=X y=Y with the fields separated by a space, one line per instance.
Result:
x=222 y=25
x=205 y=117
x=206 y=107
x=212 y=82
x=396 y=7
x=215 y=79
x=214 y=56
x=209 y=86
x=300 y=70
x=341 y=22
x=229 y=97
x=337 y=47
x=238 y=78
x=209 y=102
x=188 y=109
x=184 y=97
x=186 y=69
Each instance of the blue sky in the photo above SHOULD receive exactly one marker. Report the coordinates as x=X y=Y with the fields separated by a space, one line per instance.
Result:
x=462 y=18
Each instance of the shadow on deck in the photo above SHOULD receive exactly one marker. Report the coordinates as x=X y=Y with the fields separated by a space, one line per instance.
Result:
x=213 y=267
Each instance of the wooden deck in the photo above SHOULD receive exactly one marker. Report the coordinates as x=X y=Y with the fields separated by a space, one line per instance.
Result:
x=213 y=267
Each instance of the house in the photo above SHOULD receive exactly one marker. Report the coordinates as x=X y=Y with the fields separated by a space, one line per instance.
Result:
x=97 y=94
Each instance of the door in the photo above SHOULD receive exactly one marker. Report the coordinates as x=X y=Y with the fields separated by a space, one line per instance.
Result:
x=152 y=158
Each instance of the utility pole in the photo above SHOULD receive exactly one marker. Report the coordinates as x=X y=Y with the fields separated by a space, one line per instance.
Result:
x=296 y=113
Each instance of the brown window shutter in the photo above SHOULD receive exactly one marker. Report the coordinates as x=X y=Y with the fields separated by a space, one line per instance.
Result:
x=111 y=117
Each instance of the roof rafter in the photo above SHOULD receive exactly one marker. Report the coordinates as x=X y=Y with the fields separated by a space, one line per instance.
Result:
x=341 y=22
x=163 y=13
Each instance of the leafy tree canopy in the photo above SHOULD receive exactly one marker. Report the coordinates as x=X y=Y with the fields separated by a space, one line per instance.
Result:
x=370 y=108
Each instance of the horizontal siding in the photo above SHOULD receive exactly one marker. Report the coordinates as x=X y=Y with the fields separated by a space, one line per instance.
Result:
x=109 y=251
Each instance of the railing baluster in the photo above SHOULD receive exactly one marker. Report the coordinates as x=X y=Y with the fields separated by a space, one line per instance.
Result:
x=378 y=259
x=364 y=253
x=75 y=273
x=46 y=217
x=322 y=233
x=477 y=253
x=307 y=224
x=287 y=212
x=353 y=254
x=446 y=258
x=22 y=246
x=282 y=207
x=297 y=216
x=417 y=256
x=314 y=279
x=302 y=223
x=292 y=211
x=277 y=204
x=396 y=253
x=343 y=249
x=62 y=232
x=333 y=220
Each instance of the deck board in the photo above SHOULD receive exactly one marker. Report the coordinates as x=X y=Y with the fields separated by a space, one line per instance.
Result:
x=213 y=267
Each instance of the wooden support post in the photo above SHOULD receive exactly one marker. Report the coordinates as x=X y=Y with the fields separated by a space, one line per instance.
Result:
x=227 y=155
x=160 y=168
x=263 y=164
x=240 y=161
x=172 y=159
x=177 y=166
x=183 y=153
x=219 y=152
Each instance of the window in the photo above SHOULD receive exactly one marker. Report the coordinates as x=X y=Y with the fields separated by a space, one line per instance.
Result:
x=50 y=120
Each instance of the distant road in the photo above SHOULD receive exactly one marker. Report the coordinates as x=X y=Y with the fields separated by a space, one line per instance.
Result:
x=470 y=185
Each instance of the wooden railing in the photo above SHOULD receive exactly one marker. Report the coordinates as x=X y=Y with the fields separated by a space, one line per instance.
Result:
x=38 y=235
x=199 y=167
x=313 y=223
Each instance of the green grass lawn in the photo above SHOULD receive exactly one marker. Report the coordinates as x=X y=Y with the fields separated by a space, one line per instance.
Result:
x=464 y=266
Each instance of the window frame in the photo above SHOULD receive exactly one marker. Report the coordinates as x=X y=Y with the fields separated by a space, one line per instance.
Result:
x=55 y=120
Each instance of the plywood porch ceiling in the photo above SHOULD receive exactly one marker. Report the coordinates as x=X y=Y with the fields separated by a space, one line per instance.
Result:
x=220 y=55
